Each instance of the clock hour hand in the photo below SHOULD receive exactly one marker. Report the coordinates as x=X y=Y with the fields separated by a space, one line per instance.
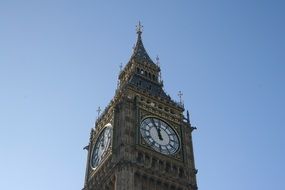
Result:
x=158 y=130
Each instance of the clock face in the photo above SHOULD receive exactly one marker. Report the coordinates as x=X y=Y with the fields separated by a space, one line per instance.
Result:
x=101 y=146
x=159 y=135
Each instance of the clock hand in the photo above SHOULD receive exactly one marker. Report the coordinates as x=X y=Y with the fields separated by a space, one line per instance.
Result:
x=159 y=134
x=158 y=130
x=152 y=121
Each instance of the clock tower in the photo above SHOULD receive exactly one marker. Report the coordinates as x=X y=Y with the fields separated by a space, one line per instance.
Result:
x=141 y=141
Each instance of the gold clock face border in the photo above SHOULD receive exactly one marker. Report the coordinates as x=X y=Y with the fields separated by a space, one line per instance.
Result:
x=108 y=149
x=177 y=152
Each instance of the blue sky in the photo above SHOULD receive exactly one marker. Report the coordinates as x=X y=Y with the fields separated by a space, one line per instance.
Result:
x=59 y=61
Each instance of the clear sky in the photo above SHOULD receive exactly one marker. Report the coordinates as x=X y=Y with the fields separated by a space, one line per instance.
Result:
x=59 y=61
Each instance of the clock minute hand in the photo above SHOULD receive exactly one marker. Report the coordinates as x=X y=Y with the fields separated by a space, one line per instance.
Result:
x=158 y=130
x=159 y=127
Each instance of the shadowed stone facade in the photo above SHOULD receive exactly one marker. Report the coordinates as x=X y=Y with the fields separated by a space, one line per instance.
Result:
x=123 y=159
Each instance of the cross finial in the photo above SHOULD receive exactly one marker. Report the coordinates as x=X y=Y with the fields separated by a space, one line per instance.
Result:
x=180 y=94
x=98 y=110
x=157 y=60
x=139 y=28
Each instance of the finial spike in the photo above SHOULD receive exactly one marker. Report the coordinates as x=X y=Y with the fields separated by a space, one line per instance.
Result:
x=188 y=117
x=139 y=28
x=180 y=94
x=98 y=110
x=121 y=67
x=157 y=60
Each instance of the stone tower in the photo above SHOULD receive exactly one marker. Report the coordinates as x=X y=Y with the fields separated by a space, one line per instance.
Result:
x=141 y=141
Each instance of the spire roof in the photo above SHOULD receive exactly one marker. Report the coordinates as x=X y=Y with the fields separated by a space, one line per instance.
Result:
x=139 y=53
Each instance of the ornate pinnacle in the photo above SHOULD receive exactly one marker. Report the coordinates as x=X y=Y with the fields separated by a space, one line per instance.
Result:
x=180 y=97
x=139 y=28
x=188 y=117
x=157 y=60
